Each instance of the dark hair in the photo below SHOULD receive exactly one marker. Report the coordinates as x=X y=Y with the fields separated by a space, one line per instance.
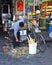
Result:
x=21 y=24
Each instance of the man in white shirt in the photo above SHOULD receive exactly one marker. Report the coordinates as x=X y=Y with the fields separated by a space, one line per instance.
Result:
x=16 y=28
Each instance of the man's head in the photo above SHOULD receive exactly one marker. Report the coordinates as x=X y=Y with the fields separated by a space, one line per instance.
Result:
x=21 y=24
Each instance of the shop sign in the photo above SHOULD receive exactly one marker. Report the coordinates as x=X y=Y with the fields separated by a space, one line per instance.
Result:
x=19 y=6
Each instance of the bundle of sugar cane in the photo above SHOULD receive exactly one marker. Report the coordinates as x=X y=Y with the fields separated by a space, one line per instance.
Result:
x=30 y=40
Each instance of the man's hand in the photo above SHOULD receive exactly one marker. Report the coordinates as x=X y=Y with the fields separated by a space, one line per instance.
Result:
x=16 y=40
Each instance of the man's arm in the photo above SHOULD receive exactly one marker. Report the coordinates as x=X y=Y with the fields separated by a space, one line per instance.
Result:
x=15 y=34
x=16 y=38
x=21 y=19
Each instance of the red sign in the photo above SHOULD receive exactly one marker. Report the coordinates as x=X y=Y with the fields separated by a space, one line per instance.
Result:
x=19 y=6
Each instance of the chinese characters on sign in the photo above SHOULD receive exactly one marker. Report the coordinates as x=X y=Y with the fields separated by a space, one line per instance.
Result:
x=19 y=6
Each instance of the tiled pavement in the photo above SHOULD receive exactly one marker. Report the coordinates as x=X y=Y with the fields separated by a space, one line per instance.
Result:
x=37 y=59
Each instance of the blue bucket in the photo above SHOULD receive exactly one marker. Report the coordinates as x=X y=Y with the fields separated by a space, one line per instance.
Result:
x=50 y=30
